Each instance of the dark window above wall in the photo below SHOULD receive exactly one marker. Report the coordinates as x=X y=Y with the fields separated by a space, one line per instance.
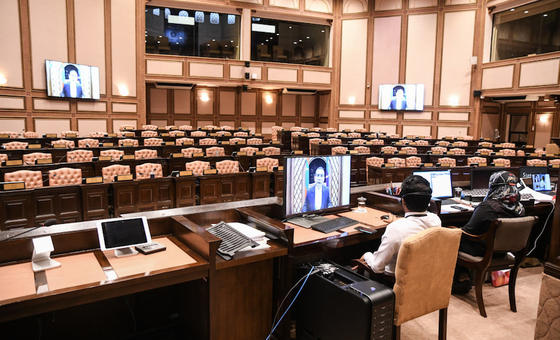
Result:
x=289 y=42
x=192 y=33
x=526 y=30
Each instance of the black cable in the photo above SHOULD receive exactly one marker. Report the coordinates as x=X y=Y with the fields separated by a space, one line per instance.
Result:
x=47 y=223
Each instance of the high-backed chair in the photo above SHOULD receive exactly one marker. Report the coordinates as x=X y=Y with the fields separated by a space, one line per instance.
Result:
x=388 y=149
x=170 y=127
x=127 y=127
x=481 y=161
x=397 y=162
x=377 y=141
x=223 y=133
x=339 y=150
x=413 y=161
x=354 y=135
x=184 y=141
x=30 y=158
x=153 y=142
x=65 y=176
x=32 y=179
x=423 y=276
x=271 y=151
x=421 y=142
x=208 y=141
x=485 y=144
x=215 y=151
x=540 y=152
x=403 y=142
x=508 y=152
x=149 y=127
x=197 y=167
x=331 y=129
x=362 y=149
x=69 y=144
x=145 y=154
x=507 y=145
x=275 y=130
x=506 y=246
x=227 y=167
x=30 y=134
x=459 y=144
x=98 y=134
x=144 y=171
x=295 y=128
x=536 y=162
x=175 y=133
x=185 y=127
x=554 y=162
x=485 y=152
x=249 y=150
x=375 y=161
x=188 y=152
x=240 y=134
x=443 y=143
x=359 y=141
x=457 y=151
x=447 y=162
x=133 y=142
x=79 y=156
x=520 y=153
x=15 y=145
x=69 y=133
x=149 y=133
x=315 y=141
x=267 y=162
x=198 y=133
x=11 y=134
x=227 y=128
x=88 y=143
x=236 y=140
x=114 y=154
x=334 y=141
x=502 y=162
x=316 y=129
x=410 y=150
x=254 y=141
x=438 y=149
x=109 y=172
x=210 y=127
x=313 y=134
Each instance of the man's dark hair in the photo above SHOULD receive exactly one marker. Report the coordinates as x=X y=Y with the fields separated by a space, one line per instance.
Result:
x=397 y=88
x=69 y=68
x=416 y=193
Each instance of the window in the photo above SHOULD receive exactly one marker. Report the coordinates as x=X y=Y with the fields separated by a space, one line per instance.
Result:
x=524 y=30
x=192 y=33
x=289 y=42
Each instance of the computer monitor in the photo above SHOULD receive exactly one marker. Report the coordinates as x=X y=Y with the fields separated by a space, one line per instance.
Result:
x=440 y=182
x=316 y=184
x=122 y=234
x=480 y=177
x=541 y=182
x=528 y=171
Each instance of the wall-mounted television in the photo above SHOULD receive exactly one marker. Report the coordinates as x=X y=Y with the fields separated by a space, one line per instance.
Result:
x=401 y=97
x=67 y=80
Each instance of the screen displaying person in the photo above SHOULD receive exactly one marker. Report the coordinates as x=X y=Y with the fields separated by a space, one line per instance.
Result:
x=317 y=193
x=72 y=85
x=399 y=98
x=538 y=182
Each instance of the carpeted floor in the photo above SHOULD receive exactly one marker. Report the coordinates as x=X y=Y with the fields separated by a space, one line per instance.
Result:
x=464 y=321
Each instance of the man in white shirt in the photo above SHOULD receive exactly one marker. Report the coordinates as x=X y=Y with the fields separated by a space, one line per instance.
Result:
x=416 y=194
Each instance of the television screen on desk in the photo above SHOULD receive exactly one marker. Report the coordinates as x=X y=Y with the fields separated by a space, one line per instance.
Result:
x=316 y=184
x=67 y=80
x=401 y=97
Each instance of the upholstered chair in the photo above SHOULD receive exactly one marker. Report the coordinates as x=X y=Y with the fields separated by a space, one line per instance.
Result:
x=227 y=167
x=223 y=133
x=443 y=143
x=144 y=171
x=460 y=144
x=413 y=161
x=15 y=145
x=109 y=172
x=540 y=152
x=421 y=142
x=334 y=141
x=354 y=135
x=315 y=141
x=363 y=149
x=30 y=134
x=339 y=150
x=295 y=128
x=11 y=134
x=388 y=149
x=275 y=131
x=520 y=153
x=554 y=162
x=185 y=127
x=97 y=134
x=32 y=179
x=375 y=161
x=149 y=133
x=410 y=150
x=145 y=154
x=71 y=133
x=134 y=142
x=249 y=150
x=227 y=128
x=127 y=127
x=197 y=167
x=184 y=141
x=267 y=162
x=359 y=141
x=457 y=151
x=210 y=127
x=170 y=127
x=313 y=135
x=485 y=152
x=114 y=154
x=215 y=151
x=485 y=144
x=208 y=141
x=149 y=127
x=240 y=134
x=508 y=152
x=189 y=152
x=502 y=162
x=69 y=144
x=507 y=145
x=447 y=162
x=153 y=142
x=198 y=133
x=271 y=150
x=79 y=156
x=30 y=158
x=88 y=143
x=481 y=161
x=236 y=140
x=536 y=162
x=397 y=162
x=65 y=176
x=438 y=149
x=316 y=129
x=377 y=141
x=175 y=133
x=331 y=129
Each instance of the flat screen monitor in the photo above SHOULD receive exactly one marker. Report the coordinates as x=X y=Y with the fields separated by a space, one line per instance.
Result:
x=123 y=233
x=401 y=97
x=440 y=182
x=541 y=182
x=67 y=80
x=528 y=171
x=480 y=177
x=316 y=184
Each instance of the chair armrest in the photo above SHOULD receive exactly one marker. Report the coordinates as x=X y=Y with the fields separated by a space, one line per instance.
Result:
x=473 y=237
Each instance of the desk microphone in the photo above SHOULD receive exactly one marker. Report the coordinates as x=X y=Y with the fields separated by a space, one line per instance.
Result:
x=47 y=223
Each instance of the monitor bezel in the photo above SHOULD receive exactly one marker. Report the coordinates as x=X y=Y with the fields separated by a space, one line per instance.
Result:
x=485 y=168
x=102 y=238
x=320 y=211
x=450 y=182
x=71 y=98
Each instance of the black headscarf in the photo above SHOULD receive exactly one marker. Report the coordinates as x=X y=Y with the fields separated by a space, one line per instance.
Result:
x=503 y=189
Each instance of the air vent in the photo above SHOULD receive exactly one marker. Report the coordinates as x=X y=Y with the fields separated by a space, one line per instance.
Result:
x=508 y=98
x=182 y=86
x=298 y=91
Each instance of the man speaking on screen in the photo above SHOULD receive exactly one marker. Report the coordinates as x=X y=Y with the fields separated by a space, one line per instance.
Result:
x=317 y=197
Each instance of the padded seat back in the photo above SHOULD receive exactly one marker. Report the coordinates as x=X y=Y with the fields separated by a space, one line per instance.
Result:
x=175 y=133
x=145 y=154
x=30 y=158
x=185 y=127
x=334 y=141
x=313 y=134
x=378 y=142
x=71 y=133
x=339 y=150
x=442 y=143
x=254 y=141
x=485 y=144
x=359 y=141
x=240 y=134
x=460 y=144
x=508 y=152
x=447 y=162
x=188 y=152
x=15 y=146
x=30 y=134
x=114 y=154
x=149 y=133
x=79 y=156
x=362 y=149
x=536 y=162
x=236 y=140
x=413 y=161
x=227 y=167
x=457 y=151
x=208 y=141
x=388 y=149
x=144 y=171
x=65 y=176
x=223 y=133
x=149 y=127
x=410 y=150
x=481 y=161
x=134 y=142
x=109 y=172
x=512 y=234
x=68 y=143
x=97 y=134
x=421 y=142
x=485 y=152
x=88 y=143
x=275 y=132
x=184 y=140
x=249 y=150
x=315 y=141
x=197 y=167
x=397 y=162
x=502 y=162
x=215 y=151
x=153 y=142
x=354 y=135
x=436 y=149
x=11 y=134
x=375 y=161
x=507 y=145
x=32 y=179
x=267 y=162
x=271 y=150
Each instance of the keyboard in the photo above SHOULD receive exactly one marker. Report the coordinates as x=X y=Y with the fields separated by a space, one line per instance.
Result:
x=232 y=240
x=526 y=197
x=334 y=224
x=476 y=192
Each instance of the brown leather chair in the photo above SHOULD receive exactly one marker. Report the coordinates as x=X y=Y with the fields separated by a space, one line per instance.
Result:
x=197 y=167
x=79 y=156
x=249 y=150
x=198 y=133
x=149 y=127
x=65 y=176
x=227 y=167
x=267 y=162
x=148 y=133
x=133 y=142
x=339 y=150
x=109 y=172
x=208 y=141
x=153 y=142
x=271 y=151
x=423 y=276
x=32 y=179
x=15 y=146
x=30 y=158
x=189 y=152
x=69 y=144
x=184 y=140
x=506 y=246
x=144 y=171
x=215 y=151
x=254 y=141
x=113 y=153
x=88 y=143
x=145 y=154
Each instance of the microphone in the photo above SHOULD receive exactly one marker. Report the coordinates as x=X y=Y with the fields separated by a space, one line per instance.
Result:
x=47 y=223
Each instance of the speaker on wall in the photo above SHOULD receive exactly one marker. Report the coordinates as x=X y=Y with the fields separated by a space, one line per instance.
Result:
x=477 y=93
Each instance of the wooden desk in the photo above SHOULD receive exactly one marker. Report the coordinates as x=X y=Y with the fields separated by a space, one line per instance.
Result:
x=143 y=195
x=224 y=188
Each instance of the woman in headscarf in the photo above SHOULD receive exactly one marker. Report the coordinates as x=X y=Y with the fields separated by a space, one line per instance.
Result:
x=502 y=201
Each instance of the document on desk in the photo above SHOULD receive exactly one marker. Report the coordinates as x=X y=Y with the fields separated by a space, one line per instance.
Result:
x=252 y=233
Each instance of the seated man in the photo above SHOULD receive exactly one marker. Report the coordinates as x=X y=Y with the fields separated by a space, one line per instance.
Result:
x=416 y=194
